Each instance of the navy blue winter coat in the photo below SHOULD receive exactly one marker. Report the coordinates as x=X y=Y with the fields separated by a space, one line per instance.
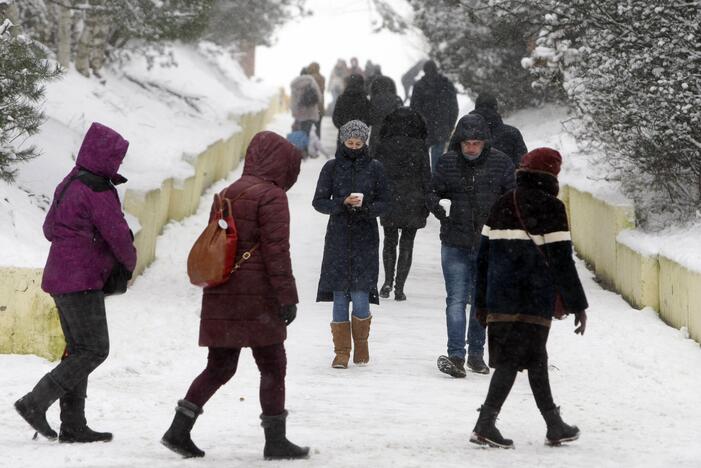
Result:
x=351 y=249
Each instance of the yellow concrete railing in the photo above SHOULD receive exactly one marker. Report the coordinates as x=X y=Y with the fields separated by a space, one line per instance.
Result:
x=643 y=280
x=29 y=321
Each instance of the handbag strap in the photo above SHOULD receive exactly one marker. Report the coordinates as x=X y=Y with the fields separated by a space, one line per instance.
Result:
x=523 y=225
x=229 y=202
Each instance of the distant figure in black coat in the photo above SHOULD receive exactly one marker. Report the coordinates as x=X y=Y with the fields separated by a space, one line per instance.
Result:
x=524 y=270
x=435 y=98
x=402 y=151
x=505 y=138
x=352 y=190
x=383 y=100
x=353 y=104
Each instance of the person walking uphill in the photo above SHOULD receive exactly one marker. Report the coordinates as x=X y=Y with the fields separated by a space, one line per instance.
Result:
x=402 y=150
x=305 y=97
x=435 y=98
x=91 y=247
x=253 y=308
x=470 y=177
x=505 y=138
x=352 y=189
x=525 y=277
x=353 y=104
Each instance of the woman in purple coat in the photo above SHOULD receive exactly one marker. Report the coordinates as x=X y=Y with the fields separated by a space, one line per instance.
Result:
x=90 y=241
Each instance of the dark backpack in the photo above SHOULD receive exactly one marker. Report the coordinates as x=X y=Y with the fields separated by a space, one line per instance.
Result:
x=309 y=97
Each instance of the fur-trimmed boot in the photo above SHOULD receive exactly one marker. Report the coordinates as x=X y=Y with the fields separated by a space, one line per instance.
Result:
x=32 y=406
x=486 y=432
x=558 y=430
x=341 y=332
x=177 y=437
x=277 y=447
x=361 y=332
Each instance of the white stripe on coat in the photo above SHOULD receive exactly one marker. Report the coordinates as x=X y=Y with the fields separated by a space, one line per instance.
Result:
x=520 y=234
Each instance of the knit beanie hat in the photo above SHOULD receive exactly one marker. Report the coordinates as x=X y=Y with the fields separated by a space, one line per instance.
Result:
x=354 y=129
x=542 y=160
x=486 y=100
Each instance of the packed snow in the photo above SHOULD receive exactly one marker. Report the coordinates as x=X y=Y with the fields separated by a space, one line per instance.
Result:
x=628 y=384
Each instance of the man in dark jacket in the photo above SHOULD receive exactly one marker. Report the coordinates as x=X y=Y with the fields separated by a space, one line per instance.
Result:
x=435 y=98
x=505 y=138
x=468 y=179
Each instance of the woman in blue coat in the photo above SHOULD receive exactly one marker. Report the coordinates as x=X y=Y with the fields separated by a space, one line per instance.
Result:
x=352 y=189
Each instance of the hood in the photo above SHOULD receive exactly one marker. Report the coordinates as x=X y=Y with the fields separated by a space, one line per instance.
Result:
x=404 y=122
x=102 y=151
x=538 y=180
x=313 y=68
x=383 y=85
x=355 y=82
x=492 y=117
x=487 y=100
x=302 y=82
x=470 y=127
x=430 y=68
x=272 y=158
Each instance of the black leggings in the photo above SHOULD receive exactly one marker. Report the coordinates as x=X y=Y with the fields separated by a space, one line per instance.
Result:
x=503 y=379
x=389 y=255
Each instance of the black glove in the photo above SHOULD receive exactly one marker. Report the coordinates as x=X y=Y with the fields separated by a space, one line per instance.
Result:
x=441 y=214
x=288 y=313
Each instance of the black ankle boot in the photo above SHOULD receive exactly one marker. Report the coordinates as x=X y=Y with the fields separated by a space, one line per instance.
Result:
x=83 y=434
x=486 y=432
x=558 y=430
x=177 y=437
x=277 y=447
x=32 y=407
x=385 y=290
x=399 y=294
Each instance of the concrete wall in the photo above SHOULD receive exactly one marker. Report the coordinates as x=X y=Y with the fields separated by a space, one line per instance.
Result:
x=28 y=318
x=643 y=280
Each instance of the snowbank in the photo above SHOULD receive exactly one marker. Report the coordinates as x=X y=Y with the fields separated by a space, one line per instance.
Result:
x=170 y=114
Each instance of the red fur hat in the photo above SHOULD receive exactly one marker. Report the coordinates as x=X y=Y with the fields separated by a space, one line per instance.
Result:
x=542 y=160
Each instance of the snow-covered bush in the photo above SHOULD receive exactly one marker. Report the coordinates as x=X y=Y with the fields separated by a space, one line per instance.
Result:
x=23 y=69
x=632 y=71
x=481 y=45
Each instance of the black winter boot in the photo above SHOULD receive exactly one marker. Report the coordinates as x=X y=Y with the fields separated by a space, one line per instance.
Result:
x=453 y=366
x=486 y=432
x=558 y=430
x=277 y=447
x=385 y=290
x=32 y=407
x=475 y=362
x=74 y=427
x=177 y=437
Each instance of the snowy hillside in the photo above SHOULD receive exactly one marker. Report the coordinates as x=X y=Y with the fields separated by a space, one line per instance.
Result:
x=168 y=113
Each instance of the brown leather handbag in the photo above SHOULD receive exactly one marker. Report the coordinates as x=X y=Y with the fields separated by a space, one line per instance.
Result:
x=212 y=257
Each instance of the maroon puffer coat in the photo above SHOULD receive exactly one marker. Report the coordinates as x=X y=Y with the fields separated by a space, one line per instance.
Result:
x=243 y=312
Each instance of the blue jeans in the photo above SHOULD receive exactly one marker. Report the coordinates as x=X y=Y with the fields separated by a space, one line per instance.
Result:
x=459 y=266
x=341 y=301
x=436 y=151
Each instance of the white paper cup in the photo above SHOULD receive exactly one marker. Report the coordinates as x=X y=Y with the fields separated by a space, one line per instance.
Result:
x=359 y=195
x=445 y=203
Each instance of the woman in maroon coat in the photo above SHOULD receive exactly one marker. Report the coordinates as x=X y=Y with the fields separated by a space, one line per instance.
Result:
x=253 y=308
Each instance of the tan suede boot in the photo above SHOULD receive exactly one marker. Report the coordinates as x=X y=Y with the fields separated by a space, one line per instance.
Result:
x=341 y=332
x=361 y=331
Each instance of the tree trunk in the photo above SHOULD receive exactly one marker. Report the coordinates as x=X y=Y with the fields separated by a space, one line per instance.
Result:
x=65 y=22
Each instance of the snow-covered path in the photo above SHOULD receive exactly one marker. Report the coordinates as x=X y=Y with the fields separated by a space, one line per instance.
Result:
x=631 y=383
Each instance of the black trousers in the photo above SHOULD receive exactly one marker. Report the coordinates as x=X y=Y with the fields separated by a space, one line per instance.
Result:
x=84 y=325
x=389 y=255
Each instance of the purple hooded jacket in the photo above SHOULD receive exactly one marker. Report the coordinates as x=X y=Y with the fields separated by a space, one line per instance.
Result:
x=87 y=229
